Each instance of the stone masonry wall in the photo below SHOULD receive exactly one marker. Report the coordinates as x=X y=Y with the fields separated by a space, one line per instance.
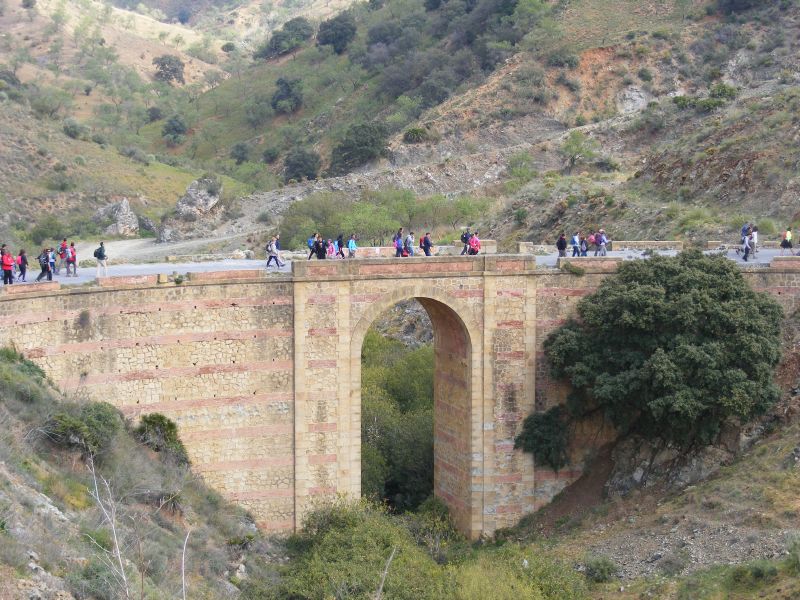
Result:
x=215 y=358
x=263 y=375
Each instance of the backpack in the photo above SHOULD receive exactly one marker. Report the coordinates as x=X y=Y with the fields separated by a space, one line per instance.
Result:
x=465 y=237
x=422 y=242
x=97 y=253
x=311 y=243
x=398 y=243
x=270 y=247
x=591 y=239
x=44 y=260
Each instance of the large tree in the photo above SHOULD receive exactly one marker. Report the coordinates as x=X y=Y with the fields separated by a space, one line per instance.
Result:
x=169 y=68
x=670 y=348
x=361 y=144
x=337 y=32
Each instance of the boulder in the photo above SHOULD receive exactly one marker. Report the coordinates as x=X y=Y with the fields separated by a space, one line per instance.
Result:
x=124 y=221
x=200 y=198
x=632 y=99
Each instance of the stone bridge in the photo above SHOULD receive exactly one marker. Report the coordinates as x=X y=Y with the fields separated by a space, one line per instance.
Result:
x=263 y=373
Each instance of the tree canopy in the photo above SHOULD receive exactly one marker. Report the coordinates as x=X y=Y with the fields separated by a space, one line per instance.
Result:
x=288 y=96
x=671 y=348
x=337 y=32
x=169 y=68
x=361 y=144
x=301 y=163
x=289 y=37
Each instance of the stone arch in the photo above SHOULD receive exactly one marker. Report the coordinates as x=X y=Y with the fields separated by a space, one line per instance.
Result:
x=458 y=443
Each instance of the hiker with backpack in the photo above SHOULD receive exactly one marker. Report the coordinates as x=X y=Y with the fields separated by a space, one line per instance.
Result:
x=22 y=264
x=600 y=243
x=272 y=252
x=465 y=240
x=397 y=242
x=425 y=244
x=312 y=242
x=747 y=245
x=561 y=245
x=352 y=247
x=584 y=246
x=474 y=244
x=62 y=256
x=72 y=260
x=576 y=244
x=320 y=248
x=786 y=242
x=44 y=264
x=408 y=249
x=340 y=246
x=330 y=250
x=102 y=259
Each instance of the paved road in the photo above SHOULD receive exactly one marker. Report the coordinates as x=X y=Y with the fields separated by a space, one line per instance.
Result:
x=87 y=275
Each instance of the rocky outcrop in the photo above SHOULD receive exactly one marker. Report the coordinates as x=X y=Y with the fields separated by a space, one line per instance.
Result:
x=196 y=212
x=124 y=221
x=200 y=198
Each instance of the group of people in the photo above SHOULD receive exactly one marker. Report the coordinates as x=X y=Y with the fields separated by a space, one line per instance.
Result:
x=317 y=246
x=749 y=241
x=51 y=261
x=471 y=241
x=581 y=244
x=404 y=245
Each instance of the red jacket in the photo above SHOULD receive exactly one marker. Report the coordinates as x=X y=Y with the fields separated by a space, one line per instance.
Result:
x=8 y=262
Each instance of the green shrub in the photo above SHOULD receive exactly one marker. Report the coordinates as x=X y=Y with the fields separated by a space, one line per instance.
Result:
x=601 y=569
x=301 y=164
x=135 y=154
x=545 y=436
x=683 y=383
x=645 y=74
x=74 y=129
x=415 y=135
x=721 y=90
x=361 y=144
x=563 y=58
x=270 y=155
x=89 y=427
x=160 y=434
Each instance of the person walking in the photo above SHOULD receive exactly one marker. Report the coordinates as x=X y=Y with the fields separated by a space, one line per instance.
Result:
x=278 y=249
x=584 y=246
x=7 y=261
x=755 y=240
x=22 y=264
x=352 y=247
x=72 y=260
x=397 y=242
x=52 y=255
x=312 y=245
x=561 y=245
x=601 y=241
x=329 y=249
x=272 y=252
x=320 y=248
x=44 y=263
x=465 y=240
x=474 y=244
x=340 y=246
x=747 y=245
x=102 y=259
x=576 y=244
x=426 y=243
x=62 y=256
x=786 y=242
x=409 y=244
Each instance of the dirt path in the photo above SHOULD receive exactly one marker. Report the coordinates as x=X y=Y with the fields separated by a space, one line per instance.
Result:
x=147 y=250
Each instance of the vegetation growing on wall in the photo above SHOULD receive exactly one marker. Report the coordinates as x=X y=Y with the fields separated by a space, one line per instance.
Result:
x=669 y=348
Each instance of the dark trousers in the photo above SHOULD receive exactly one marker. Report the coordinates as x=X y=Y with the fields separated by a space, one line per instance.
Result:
x=270 y=259
x=8 y=276
x=465 y=250
x=22 y=270
x=576 y=251
x=45 y=271
x=427 y=251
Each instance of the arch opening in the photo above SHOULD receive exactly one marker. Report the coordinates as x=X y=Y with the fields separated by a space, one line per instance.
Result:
x=449 y=455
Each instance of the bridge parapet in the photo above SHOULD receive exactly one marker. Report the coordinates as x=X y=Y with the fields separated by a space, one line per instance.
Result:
x=423 y=266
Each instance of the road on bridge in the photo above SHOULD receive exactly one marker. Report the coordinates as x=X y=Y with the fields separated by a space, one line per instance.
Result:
x=87 y=274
